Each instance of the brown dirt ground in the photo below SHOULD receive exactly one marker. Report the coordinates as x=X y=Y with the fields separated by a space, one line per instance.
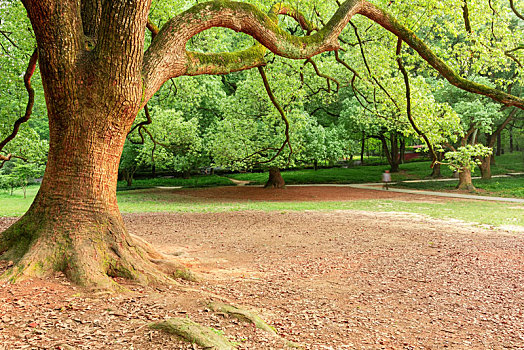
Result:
x=327 y=280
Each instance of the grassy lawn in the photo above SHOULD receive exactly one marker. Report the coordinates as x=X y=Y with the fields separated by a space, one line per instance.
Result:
x=488 y=213
x=360 y=174
x=143 y=201
x=500 y=187
x=194 y=181
x=513 y=162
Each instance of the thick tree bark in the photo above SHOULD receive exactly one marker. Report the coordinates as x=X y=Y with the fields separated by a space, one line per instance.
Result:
x=275 y=179
x=485 y=167
x=465 y=182
x=74 y=224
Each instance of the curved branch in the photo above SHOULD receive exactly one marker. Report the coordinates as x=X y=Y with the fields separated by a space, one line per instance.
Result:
x=387 y=21
x=166 y=57
x=226 y=62
x=288 y=10
x=30 y=102
x=514 y=9
x=325 y=76
x=287 y=141
x=408 y=103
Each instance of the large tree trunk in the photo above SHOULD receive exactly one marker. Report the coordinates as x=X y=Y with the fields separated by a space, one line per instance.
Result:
x=275 y=179
x=485 y=167
x=74 y=224
x=465 y=182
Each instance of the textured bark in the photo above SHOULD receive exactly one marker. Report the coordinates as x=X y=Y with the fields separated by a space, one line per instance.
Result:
x=74 y=224
x=465 y=182
x=275 y=179
x=485 y=167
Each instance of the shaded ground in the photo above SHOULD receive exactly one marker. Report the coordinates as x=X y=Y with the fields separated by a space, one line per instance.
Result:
x=328 y=280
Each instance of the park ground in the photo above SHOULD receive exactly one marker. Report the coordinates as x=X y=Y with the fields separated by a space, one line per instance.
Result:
x=328 y=267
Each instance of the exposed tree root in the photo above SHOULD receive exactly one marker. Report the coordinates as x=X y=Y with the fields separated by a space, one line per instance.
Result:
x=194 y=333
x=243 y=315
x=251 y=317
x=38 y=247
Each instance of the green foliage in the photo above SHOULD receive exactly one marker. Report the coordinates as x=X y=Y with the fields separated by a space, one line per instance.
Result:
x=177 y=142
x=467 y=157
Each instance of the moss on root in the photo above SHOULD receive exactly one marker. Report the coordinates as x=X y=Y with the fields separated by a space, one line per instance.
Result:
x=89 y=254
x=251 y=317
x=243 y=315
x=193 y=332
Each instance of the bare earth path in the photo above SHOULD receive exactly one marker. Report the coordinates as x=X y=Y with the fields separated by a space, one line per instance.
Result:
x=327 y=280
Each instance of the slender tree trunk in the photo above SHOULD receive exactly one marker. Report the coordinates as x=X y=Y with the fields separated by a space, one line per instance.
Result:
x=391 y=154
x=465 y=182
x=275 y=179
x=485 y=167
x=402 y=151
x=499 y=145
x=436 y=171
x=511 y=148
x=363 y=148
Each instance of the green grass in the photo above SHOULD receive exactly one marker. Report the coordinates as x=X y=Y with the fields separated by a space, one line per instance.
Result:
x=194 y=181
x=500 y=187
x=488 y=213
x=362 y=174
x=16 y=204
x=144 y=201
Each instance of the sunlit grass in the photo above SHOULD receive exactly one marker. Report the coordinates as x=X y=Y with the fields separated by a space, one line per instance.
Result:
x=502 y=187
x=489 y=213
x=145 y=201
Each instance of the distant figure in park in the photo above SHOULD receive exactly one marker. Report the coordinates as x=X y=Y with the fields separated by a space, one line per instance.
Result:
x=386 y=179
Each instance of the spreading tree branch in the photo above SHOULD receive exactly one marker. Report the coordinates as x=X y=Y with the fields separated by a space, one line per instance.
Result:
x=387 y=21
x=408 y=103
x=287 y=141
x=29 y=107
x=166 y=57
x=514 y=9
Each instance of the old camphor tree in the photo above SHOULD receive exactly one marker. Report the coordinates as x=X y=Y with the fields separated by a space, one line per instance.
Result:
x=97 y=75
